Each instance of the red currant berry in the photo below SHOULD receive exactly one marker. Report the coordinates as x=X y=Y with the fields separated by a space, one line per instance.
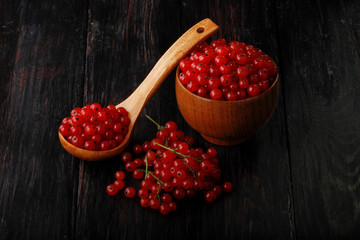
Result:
x=143 y=193
x=154 y=203
x=227 y=187
x=77 y=140
x=210 y=196
x=170 y=125
x=119 y=184
x=164 y=209
x=138 y=174
x=173 y=206
x=112 y=190
x=242 y=72
x=215 y=94
x=253 y=90
x=179 y=193
x=137 y=149
x=144 y=202
x=220 y=60
x=166 y=198
x=126 y=156
x=130 y=192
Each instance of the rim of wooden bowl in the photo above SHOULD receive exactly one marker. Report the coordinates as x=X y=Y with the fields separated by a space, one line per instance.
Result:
x=225 y=101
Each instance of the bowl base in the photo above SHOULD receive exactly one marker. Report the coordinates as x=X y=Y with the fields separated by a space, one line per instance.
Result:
x=225 y=142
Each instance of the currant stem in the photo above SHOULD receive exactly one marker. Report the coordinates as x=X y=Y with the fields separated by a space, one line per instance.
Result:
x=182 y=155
x=158 y=125
x=152 y=174
x=174 y=151
x=146 y=166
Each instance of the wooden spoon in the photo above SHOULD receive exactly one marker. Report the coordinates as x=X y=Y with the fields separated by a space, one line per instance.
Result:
x=135 y=103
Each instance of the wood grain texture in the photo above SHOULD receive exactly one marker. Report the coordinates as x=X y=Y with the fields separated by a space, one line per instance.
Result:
x=226 y=123
x=43 y=62
x=254 y=165
x=320 y=58
x=296 y=178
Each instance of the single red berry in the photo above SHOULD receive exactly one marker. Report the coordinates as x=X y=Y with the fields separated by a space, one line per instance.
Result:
x=64 y=130
x=166 y=198
x=164 y=209
x=211 y=152
x=179 y=193
x=173 y=206
x=144 y=202
x=192 y=86
x=143 y=193
x=89 y=145
x=214 y=83
x=137 y=149
x=120 y=184
x=129 y=192
x=184 y=65
x=242 y=94
x=231 y=96
x=225 y=80
x=183 y=148
x=264 y=85
x=227 y=187
x=253 y=90
x=217 y=189
x=258 y=63
x=130 y=166
x=243 y=83
x=77 y=140
x=263 y=74
x=210 y=196
x=95 y=107
x=221 y=50
x=220 y=60
x=215 y=94
x=112 y=190
x=242 y=72
x=126 y=156
x=155 y=203
x=138 y=174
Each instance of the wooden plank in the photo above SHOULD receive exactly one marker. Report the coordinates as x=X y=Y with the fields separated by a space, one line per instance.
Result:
x=125 y=39
x=260 y=174
x=320 y=58
x=42 y=59
x=261 y=206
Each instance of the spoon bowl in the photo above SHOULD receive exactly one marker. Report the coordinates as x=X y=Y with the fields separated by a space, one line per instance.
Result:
x=135 y=103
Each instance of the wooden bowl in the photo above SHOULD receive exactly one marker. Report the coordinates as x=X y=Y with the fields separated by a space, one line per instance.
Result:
x=226 y=123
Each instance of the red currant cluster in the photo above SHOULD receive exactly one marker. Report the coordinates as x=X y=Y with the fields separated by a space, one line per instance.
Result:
x=170 y=169
x=227 y=71
x=95 y=128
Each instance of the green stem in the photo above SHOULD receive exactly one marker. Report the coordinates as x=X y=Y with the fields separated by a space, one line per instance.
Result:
x=156 y=178
x=158 y=125
x=174 y=151
x=180 y=154
x=146 y=166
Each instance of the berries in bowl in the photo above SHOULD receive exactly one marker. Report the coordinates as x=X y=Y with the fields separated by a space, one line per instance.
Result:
x=226 y=90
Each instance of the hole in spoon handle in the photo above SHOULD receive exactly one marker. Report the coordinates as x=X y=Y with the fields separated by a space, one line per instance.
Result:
x=178 y=50
x=200 y=30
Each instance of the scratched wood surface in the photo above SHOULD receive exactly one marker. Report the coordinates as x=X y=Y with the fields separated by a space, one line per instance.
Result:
x=296 y=178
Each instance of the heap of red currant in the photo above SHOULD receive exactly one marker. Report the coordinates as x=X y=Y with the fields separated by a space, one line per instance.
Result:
x=95 y=128
x=225 y=70
x=170 y=169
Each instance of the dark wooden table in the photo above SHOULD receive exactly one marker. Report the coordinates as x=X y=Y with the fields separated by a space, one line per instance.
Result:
x=296 y=178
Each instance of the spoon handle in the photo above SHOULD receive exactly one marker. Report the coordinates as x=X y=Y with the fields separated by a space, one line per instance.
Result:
x=182 y=47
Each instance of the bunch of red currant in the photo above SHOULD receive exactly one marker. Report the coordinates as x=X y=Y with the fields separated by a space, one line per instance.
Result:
x=227 y=71
x=95 y=128
x=170 y=169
